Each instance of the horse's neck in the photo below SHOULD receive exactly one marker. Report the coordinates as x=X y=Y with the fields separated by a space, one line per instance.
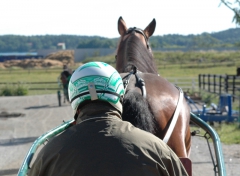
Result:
x=64 y=77
x=143 y=61
x=142 y=67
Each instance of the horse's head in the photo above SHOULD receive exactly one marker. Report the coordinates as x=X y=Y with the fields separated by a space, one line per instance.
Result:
x=134 y=48
x=64 y=76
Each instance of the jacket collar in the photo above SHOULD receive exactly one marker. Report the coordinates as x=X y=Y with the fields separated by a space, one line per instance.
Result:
x=97 y=110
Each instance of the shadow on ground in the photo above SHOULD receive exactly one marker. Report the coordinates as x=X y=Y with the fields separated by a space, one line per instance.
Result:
x=9 y=171
x=44 y=106
x=17 y=141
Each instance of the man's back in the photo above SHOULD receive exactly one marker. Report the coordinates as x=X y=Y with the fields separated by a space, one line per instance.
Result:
x=106 y=146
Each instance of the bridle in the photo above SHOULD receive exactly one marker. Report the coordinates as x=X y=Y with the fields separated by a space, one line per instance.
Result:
x=140 y=31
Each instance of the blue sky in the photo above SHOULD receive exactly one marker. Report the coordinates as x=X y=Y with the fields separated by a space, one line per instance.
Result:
x=99 y=17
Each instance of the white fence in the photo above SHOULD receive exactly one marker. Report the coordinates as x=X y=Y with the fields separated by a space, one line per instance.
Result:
x=187 y=84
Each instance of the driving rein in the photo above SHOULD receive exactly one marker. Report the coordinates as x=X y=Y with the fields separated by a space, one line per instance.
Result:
x=141 y=84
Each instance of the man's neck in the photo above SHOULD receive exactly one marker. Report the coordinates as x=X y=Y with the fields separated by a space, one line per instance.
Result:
x=97 y=109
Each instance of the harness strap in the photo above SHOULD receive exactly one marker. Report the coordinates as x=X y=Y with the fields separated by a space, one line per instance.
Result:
x=97 y=91
x=126 y=80
x=175 y=116
x=140 y=31
x=139 y=81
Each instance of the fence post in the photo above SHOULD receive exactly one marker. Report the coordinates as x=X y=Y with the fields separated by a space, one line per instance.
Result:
x=199 y=81
x=214 y=83
x=204 y=82
x=233 y=88
x=209 y=84
x=220 y=85
x=226 y=84
x=59 y=97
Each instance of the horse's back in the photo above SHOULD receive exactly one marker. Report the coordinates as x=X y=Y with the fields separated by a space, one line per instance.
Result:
x=162 y=99
x=156 y=85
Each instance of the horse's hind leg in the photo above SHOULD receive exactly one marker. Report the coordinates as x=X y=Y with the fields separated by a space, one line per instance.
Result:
x=180 y=140
x=188 y=142
x=186 y=120
x=177 y=144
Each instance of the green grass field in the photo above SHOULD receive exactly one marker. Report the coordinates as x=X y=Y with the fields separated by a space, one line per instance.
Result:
x=171 y=68
x=168 y=69
x=22 y=75
x=30 y=75
x=171 y=65
x=228 y=133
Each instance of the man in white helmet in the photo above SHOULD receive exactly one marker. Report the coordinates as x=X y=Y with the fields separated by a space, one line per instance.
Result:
x=101 y=143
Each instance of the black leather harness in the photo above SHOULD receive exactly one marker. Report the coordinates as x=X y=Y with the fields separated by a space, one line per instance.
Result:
x=140 y=31
x=140 y=82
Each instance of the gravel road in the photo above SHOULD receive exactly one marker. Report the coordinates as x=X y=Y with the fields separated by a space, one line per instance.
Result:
x=23 y=119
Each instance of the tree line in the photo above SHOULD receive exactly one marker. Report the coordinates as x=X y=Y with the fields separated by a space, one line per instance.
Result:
x=18 y=43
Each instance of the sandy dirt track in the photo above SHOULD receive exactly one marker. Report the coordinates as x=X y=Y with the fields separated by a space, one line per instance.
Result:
x=42 y=113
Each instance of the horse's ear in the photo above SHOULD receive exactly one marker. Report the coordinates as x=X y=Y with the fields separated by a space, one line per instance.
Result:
x=149 y=30
x=122 y=28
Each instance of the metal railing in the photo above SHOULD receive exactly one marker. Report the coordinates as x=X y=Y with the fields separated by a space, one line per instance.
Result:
x=219 y=166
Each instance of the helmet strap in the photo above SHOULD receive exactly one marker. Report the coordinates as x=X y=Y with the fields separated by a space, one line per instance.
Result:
x=92 y=91
x=98 y=91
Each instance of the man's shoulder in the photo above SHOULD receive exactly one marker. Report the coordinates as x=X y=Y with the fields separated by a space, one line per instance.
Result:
x=62 y=137
x=134 y=131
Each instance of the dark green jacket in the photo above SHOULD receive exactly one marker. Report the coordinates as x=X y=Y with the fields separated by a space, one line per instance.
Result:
x=104 y=145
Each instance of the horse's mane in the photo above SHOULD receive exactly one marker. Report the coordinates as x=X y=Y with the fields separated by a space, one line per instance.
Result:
x=137 y=54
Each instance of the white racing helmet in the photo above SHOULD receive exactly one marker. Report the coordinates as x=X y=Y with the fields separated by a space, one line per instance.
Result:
x=95 y=81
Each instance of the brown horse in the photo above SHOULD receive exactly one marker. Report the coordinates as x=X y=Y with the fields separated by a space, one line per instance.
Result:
x=155 y=112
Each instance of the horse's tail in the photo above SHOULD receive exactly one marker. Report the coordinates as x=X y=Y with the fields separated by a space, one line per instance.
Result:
x=136 y=110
